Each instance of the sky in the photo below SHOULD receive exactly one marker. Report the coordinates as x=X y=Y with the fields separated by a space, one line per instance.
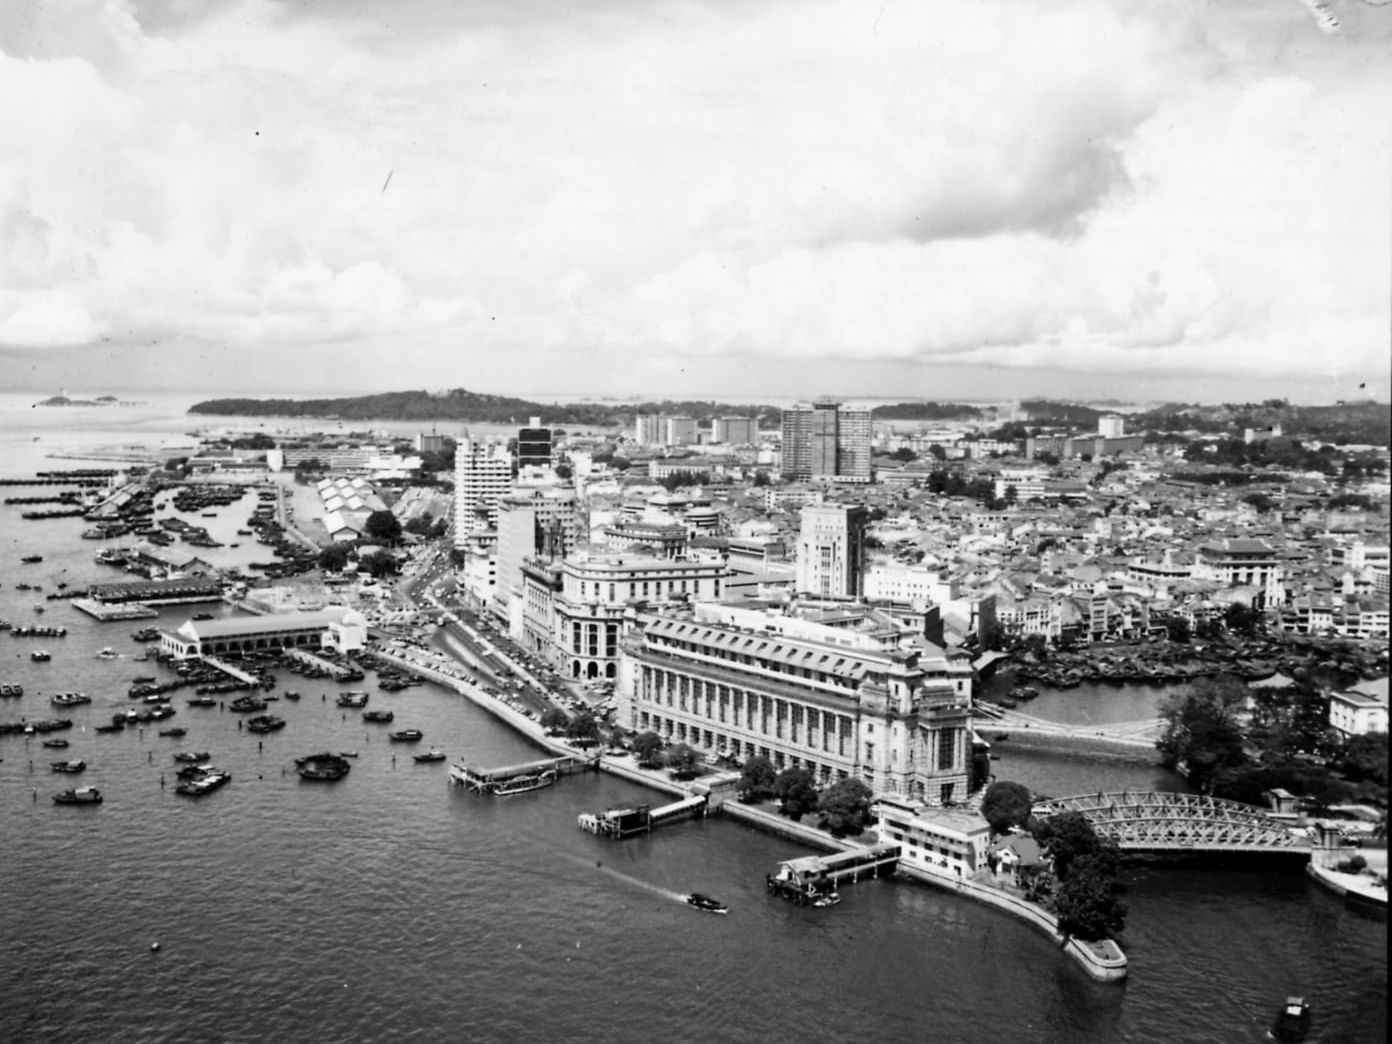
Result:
x=974 y=199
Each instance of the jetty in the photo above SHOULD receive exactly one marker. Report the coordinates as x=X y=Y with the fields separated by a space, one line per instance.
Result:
x=811 y=879
x=619 y=823
x=514 y=779
x=108 y=611
x=337 y=670
x=158 y=591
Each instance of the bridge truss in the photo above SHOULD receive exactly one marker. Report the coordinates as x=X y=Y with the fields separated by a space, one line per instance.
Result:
x=1159 y=821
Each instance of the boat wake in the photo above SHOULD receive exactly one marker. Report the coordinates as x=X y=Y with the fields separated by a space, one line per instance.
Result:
x=619 y=875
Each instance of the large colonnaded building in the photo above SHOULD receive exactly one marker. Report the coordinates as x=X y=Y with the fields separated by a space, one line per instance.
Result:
x=336 y=627
x=837 y=701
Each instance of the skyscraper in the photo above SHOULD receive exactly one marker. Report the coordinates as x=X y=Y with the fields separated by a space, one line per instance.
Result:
x=831 y=550
x=534 y=445
x=827 y=441
x=482 y=474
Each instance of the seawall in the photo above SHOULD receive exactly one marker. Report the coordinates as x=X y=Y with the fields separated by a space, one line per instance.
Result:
x=1103 y=961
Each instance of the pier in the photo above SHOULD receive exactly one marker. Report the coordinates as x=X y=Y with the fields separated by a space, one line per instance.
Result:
x=229 y=670
x=619 y=823
x=338 y=670
x=107 y=612
x=813 y=879
x=514 y=779
x=158 y=591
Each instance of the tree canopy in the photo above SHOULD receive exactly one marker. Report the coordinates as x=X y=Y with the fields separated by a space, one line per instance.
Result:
x=1201 y=732
x=583 y=728
x=647 y=748
x=796 y=792
x=756 y=780
x=1006 y=804
x=1088 y=902
x=382 y=526
x=845 y=807
x=684 y=762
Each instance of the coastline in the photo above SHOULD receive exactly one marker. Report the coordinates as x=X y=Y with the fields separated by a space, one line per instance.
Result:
x=1104 y=961
x=1099 y=747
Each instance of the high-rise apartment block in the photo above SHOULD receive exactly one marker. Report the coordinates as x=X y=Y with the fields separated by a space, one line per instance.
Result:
x=735 y=431
x=681 y=431
x=1111 y=426
x=482 y=475
x=831 y=551
x=827 y=441
x=649 y=429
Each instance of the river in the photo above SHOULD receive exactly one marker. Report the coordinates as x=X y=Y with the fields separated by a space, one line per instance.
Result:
x=392 y=907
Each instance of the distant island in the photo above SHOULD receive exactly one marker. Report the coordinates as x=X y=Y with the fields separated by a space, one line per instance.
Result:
x=63 y=400
x=462 y=405
x=1367 y=423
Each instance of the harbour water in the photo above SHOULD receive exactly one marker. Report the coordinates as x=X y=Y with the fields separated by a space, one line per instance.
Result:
x=391 y=907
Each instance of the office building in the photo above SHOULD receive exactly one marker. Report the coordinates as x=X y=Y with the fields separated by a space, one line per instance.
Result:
x=534 y=446
x=831 y=551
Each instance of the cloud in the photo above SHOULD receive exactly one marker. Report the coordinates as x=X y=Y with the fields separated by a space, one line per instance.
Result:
x=1087 y=185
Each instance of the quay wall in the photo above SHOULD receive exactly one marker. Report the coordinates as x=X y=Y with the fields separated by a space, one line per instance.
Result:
x=1105 y=962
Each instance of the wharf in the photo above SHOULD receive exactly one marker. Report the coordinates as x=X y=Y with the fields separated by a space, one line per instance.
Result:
x=809 y=878
x=513 y=779
x=619 y=823
x=158 y=591
x=107 y=612
x=228 y=669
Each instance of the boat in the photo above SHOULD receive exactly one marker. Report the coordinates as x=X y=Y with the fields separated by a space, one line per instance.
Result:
x=378 y=715
x=202 y=616
x=433 y=754
x=56 y=744
x=827 y=899
x=175 y=732
x=69 y=699
x=205 y=782
x=405 y=735
x=40 y=656
x=247 y=704
x=1292 y=1021
x=72 y=767
x=292 y=695
x=201 y=701
x=524 y=783
x=14 y=690
x=352 y=698
x=322 y=767
x=191 y=757
x=706 y=903
x=31 y=559
x=107 y=653
x=79 y=796
x=264 y=723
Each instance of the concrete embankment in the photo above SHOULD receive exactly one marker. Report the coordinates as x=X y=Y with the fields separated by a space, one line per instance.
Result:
x=1104 y=961
x=1057 y=743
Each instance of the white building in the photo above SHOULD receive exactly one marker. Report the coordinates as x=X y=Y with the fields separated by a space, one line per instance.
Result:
x=950 y=843
x=1356 y=713
x=831 y=551
x=482 y=476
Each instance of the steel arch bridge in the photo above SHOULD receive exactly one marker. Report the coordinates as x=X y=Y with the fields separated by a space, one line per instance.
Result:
x=1160 y=821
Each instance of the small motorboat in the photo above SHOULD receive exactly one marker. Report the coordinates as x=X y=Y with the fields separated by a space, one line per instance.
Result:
x=825 y=899
x=433 y=754
x=405 y=735
x=40 y=656
x=108 y=653
x=378 y=715
x=79 y=796
x=1292 y=1021
x=56 y=744
x=191 y=757
x=175 y=732
x=69 y=699
x=706 y=903
x=324 y=768
x=71 y=767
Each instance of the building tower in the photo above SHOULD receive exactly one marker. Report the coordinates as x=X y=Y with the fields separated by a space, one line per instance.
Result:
x=482 y=475
x=534 y=446
x=826 y=441
x=831 y=551
x=1111 y=426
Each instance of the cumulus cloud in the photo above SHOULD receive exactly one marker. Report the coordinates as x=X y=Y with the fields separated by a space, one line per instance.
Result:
x=1091 y=185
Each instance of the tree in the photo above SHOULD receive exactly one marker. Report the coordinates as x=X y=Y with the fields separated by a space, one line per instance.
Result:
x=421 y=525
x=903 y=453
x=564 y=471
x=334 y=557
x=553 y=718
x=1178 y=629
x=583 y=728
x=1066 y=837
x=647 y=748
x=1088 y=902
x=756 y=780
x=1241 y=619
x=1201 y=733
x=684 y=762
x=845 y=807
x=761 y=478
x=1005 y=805
x=382 y=526
x=796 y=792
